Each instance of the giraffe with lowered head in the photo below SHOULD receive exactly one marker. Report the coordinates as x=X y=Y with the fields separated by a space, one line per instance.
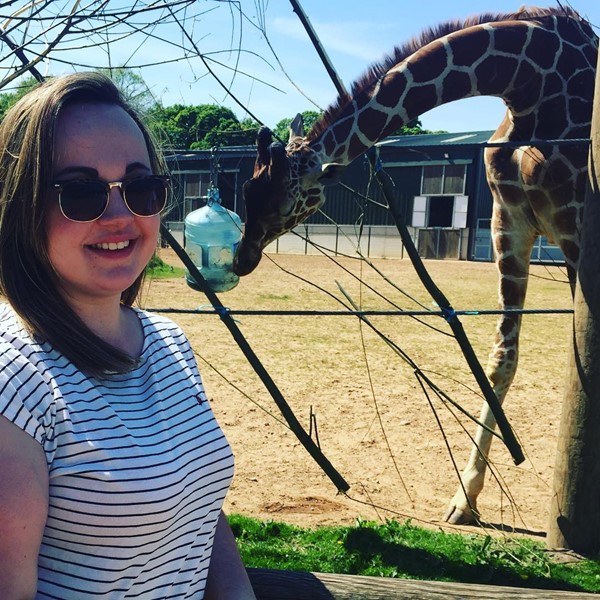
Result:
x=541 y=62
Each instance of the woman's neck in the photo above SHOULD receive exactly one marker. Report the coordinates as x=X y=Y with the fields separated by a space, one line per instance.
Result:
x=114 y=323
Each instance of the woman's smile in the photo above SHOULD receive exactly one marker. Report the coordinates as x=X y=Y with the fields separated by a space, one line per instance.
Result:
x=112 y=245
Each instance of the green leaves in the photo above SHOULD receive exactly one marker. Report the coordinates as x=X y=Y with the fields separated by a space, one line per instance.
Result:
x=200 y=127
x=7 y=99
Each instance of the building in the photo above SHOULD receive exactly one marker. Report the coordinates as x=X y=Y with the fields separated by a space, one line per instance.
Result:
x=439 y=182
x=194 y=171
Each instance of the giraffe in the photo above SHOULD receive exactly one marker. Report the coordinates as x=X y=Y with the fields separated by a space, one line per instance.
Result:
x=541 y=62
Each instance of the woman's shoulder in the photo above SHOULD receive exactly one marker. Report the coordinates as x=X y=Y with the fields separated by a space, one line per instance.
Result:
x=19 y=347
x=21 y=358
x=155 y=319
x=9 y=320
x=157 y=325
x=27 y=387
x=12 y=331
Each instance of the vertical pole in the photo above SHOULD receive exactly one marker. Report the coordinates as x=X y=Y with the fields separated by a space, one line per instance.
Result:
x=574 y=520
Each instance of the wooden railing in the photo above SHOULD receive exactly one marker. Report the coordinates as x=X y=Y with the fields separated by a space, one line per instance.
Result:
x=270 y=584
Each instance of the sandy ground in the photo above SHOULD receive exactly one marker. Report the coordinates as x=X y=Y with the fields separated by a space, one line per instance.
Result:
x=395 y=445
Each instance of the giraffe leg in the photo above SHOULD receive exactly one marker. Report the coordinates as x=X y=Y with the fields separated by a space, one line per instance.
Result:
x=513 y=266
x=463 y=506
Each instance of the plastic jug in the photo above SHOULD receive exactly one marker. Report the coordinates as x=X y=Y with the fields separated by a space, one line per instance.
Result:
x=212 y=234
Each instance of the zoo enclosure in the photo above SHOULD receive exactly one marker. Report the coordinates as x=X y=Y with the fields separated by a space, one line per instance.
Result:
x=383 y=241
x=444 y=198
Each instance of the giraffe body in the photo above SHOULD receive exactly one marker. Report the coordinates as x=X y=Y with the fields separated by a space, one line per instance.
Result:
x=541 y=62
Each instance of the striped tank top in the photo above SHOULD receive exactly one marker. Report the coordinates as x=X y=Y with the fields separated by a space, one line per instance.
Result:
x=138 y=466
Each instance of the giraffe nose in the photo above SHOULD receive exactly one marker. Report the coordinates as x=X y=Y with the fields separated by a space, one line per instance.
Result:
x=246 y=258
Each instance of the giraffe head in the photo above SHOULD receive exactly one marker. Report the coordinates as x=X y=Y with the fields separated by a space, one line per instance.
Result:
x=285 y=189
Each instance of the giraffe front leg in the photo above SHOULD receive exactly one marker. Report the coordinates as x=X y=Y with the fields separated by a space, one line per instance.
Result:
x=502 y=365
x=513 y=235
x=514 y=230
x=463 y=506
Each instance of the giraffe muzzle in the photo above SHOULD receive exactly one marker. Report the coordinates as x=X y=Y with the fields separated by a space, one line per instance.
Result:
x=246 y=258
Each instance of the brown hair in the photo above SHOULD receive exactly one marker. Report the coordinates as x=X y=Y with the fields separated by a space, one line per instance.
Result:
x=27 y=278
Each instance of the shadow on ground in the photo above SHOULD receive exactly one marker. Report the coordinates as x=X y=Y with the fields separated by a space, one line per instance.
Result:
x=368 y=548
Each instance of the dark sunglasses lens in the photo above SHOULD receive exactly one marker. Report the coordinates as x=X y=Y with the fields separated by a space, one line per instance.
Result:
x=146 y=196
x=83 y=200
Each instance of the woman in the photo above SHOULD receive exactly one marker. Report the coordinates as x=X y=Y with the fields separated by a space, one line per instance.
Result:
x=113 y=470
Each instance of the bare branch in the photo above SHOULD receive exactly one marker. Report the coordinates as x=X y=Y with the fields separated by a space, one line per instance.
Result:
x=46 y=37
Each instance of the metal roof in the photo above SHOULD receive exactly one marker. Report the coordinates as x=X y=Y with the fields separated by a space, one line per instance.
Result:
x=220 y=152
x=467 y=138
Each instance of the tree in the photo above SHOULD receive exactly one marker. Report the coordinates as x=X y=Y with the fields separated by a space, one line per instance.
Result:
x=176 y=127
x=133 y=87
x=310 y=117
x=7 y=99
x=199 y=127
x=413 y=127
x=249 y=129
x=282 y=128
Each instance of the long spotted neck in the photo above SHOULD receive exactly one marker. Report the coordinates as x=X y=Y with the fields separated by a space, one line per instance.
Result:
x=527 y=63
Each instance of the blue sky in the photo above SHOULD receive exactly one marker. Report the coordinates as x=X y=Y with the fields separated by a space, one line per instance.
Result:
x=355 y=33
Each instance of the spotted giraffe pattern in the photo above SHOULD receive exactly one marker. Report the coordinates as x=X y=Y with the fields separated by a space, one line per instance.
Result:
x=541 y=62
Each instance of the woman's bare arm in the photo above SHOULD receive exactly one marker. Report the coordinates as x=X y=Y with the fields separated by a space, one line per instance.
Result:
x=23 y=510
x=227 y=577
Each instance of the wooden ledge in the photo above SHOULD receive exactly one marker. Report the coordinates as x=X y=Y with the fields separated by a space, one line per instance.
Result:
x=271 y=584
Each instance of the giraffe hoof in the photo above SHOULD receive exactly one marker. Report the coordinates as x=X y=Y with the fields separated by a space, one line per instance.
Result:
x=457 y=516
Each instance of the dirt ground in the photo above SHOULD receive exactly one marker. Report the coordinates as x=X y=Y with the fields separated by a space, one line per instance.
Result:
x=396 y=445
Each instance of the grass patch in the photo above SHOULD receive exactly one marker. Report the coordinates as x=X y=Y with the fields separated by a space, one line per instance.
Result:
x=278 y=297
x=158 y=269
x=402 y=550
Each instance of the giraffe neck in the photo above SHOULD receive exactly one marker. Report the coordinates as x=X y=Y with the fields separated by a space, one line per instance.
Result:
x=543 y=69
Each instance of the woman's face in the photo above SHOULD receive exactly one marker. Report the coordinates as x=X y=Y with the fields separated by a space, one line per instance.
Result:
x=98 y=260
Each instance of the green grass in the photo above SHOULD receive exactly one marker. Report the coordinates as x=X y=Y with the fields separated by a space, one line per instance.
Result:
x=402 y=550
x=277 y=297
x=159 y=269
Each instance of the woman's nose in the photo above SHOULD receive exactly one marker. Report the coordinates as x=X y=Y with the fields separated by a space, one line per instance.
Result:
x=117 y=207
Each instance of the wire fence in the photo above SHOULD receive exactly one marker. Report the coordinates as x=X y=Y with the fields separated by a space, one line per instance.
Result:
x=447 y=315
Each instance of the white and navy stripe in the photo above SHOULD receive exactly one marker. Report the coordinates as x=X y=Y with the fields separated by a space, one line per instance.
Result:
x=138 y=466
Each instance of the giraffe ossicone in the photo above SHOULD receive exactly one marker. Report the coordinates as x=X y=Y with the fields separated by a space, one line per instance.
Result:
x=542 y=63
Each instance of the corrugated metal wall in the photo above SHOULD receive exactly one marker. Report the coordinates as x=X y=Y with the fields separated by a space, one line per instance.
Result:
x=364 y=201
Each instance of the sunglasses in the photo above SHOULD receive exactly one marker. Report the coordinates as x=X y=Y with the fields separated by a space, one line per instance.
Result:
x=85 y=200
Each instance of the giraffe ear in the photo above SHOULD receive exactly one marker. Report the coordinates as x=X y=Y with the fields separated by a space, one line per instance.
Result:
x=297 y=127
x=331 y=173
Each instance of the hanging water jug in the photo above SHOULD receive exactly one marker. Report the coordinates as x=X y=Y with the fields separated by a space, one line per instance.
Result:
x=212 y=234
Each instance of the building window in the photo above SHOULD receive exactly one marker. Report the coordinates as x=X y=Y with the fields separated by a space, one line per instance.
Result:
x=440 y=211
x=454 y=180
x=196 y=184
x=196 y=190
x=443 y=180
x=192 y=185
x=432 y=180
